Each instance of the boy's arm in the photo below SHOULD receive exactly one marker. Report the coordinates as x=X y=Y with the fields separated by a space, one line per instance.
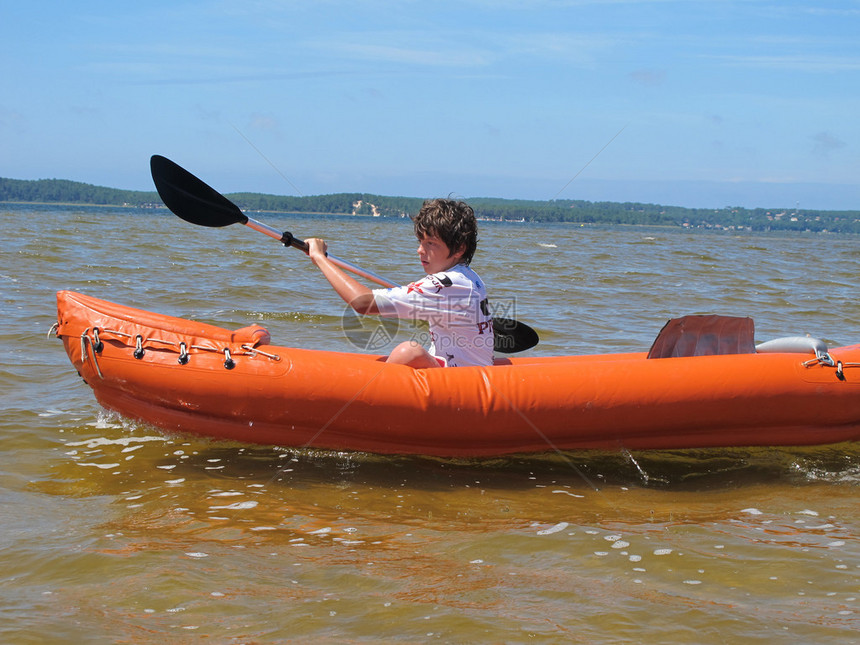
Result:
x=355 y=294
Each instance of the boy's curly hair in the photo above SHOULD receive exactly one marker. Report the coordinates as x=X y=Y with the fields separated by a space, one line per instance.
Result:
x=451 y=221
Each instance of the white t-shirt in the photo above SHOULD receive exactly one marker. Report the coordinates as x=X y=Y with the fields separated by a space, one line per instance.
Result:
x=454 y=303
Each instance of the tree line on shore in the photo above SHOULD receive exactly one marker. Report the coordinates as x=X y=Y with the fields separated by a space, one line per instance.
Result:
x=564 y=210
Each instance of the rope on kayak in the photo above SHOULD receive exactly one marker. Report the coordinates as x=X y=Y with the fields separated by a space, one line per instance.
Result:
x=823 y=358
x=87 y=342
x=253 y=350
x=98 y=345
x=840 y=369
x=92 y=345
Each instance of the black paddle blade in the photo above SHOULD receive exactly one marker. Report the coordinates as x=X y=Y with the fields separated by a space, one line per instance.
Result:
x=190 y=198
x=511 y=336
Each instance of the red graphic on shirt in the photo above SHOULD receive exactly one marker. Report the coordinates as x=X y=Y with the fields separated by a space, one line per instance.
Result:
x=433 y=281
x=414 y=286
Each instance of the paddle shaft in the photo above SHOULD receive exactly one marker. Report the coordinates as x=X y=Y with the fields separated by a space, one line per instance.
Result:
x=289 y=239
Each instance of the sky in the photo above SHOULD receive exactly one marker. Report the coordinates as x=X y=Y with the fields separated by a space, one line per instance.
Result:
x=707 y=104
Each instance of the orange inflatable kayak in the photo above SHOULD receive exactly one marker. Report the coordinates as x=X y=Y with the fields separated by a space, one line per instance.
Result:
x=189 y=377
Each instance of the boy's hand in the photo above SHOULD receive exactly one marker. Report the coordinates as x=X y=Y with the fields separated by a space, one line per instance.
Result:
x=316 y=248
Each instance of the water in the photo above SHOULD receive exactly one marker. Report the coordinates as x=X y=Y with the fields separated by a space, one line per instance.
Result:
x=114 y=532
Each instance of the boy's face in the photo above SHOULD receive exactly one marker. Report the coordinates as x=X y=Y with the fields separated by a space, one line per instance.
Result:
x=435 y=256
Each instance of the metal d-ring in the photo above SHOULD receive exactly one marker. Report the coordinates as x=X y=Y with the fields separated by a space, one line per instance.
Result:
x=183 y=354
x=138 y=347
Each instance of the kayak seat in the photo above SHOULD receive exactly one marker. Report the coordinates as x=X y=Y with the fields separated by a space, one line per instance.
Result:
x=705 y=335
x=252 y=335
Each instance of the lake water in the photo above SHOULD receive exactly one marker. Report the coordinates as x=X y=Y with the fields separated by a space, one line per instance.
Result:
x=113 y=532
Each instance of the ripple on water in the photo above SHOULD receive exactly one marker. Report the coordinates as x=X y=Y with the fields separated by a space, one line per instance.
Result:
x=122 y=526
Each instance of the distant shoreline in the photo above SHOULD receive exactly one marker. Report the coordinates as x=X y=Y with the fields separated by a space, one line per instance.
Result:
x=60 y=192
x=161 y=209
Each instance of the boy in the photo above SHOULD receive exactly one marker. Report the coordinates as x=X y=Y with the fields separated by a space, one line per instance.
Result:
x=451 y=297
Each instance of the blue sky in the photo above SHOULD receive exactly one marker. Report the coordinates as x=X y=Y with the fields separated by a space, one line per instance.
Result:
x=711 y=103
